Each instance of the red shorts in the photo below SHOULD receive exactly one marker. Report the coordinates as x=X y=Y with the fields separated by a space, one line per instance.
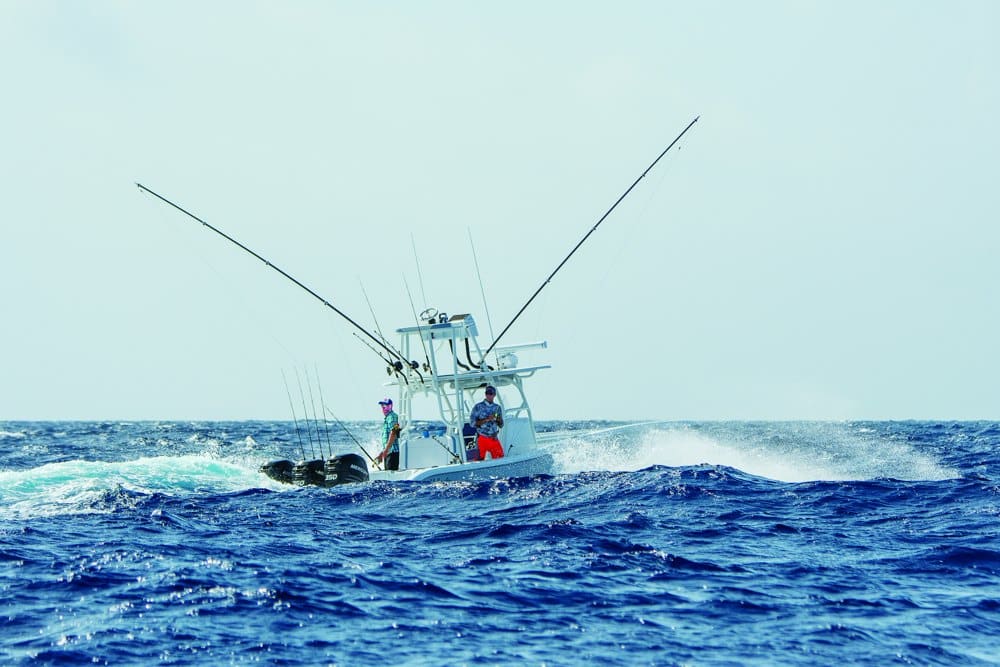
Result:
x=491 y=445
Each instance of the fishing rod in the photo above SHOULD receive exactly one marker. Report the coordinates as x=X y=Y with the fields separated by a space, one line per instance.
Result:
x=585 y=237
x=454 y=456
x=294 y=420
x=394 y=366
x=414 y=365
x=378 y=329
x=276 y=268
x=416 y=320
x=341 y=424
x=326 y=424
x=309 y=432
x=420 y=276
x=319 y=434
x=479 y=276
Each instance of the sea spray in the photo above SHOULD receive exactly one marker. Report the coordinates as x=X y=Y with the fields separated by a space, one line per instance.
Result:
x=785 y=451
x=81 y=487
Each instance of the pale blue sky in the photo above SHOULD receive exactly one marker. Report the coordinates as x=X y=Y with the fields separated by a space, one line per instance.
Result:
x=823 y=246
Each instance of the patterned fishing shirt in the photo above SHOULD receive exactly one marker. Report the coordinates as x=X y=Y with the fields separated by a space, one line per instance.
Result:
x=484 y=409
x=391 y=422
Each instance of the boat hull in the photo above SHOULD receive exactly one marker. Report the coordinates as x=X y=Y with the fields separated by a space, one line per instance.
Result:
x=518 y=465
x=351 y=468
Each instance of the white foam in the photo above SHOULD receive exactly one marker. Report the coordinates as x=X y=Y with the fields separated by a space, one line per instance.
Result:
x=787 y=453
x=79 y=486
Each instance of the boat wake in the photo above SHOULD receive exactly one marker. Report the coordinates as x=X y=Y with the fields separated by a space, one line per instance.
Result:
x=85 y=487
x=786 y=452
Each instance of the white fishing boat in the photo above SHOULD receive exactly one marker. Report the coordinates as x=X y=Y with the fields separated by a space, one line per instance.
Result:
x=435 y=398
x=436 y=441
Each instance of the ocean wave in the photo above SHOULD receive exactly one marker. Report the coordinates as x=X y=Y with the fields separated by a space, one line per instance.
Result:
x=711 y=543
x=788 y=452
x=87 y=487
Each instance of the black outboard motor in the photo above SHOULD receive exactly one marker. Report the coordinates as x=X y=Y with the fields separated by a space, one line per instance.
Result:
x=279 y=471
x=345 y=469
x=309 y=472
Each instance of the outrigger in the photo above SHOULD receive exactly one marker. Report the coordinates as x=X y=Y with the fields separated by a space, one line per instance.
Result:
x=440 y=448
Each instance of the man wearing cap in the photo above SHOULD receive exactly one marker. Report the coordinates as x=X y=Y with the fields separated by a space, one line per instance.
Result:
x=390 y=436
x=487 y=417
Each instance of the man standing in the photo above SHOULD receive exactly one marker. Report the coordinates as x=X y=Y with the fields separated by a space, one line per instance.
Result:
x=487 y=417
x=390 y=436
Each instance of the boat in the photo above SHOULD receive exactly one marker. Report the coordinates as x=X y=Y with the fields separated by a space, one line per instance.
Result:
x=435 y=398
x=444 y=449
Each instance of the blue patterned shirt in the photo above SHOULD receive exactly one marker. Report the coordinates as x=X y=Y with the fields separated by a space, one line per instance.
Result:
x=484 y=409
x=391 y=422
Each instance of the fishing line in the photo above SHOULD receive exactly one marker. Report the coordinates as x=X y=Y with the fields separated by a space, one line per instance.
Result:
x=559 y=435
x=337 y=333
x=268 y=263
x=255 y=319
x=627 y=228
x=586 y=236
x=341 y=424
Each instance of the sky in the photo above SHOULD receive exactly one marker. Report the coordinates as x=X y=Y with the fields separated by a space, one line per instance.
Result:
x=822 y=244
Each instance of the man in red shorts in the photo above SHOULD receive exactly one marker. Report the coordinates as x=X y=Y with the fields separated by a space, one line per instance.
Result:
x=487 y=417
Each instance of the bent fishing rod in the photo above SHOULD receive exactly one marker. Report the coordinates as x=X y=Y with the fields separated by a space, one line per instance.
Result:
x=279 y=270
x=585 y=237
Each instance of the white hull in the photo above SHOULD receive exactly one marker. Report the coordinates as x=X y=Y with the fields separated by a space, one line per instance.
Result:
x=518 y=465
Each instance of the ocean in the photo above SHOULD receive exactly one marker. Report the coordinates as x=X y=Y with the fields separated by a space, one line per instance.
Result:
x=715 y=543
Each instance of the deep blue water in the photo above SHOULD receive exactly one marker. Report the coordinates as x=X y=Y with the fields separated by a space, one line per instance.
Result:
x=653 y=544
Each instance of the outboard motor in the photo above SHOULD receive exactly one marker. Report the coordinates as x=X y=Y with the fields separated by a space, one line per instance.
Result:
x=279 y=471
x=345 y=469
x=309 y=472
